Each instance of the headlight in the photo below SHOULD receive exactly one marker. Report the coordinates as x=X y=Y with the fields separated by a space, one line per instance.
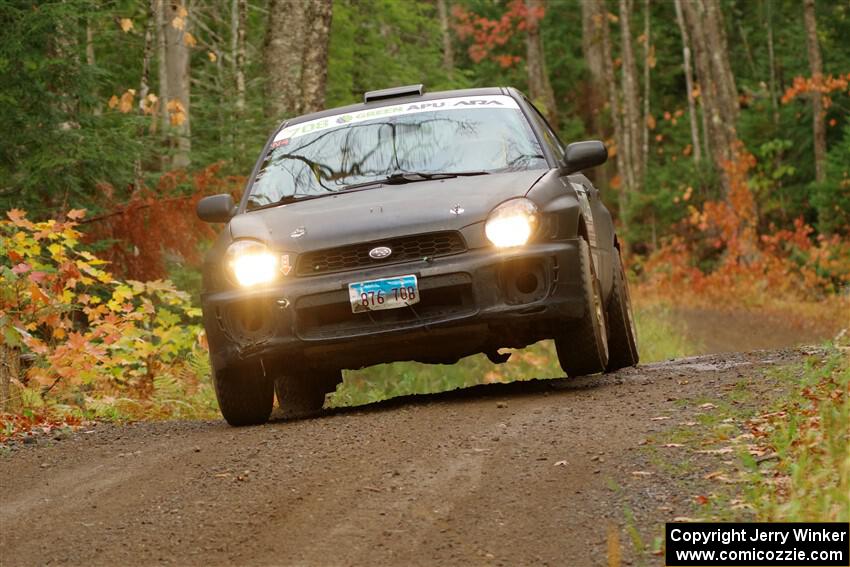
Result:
x=512 y=223
x=251 y=263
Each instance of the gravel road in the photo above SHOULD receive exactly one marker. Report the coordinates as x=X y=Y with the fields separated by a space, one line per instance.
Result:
x=532 y=473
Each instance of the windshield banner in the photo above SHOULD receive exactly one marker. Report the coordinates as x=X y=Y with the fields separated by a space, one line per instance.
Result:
x=337 y=120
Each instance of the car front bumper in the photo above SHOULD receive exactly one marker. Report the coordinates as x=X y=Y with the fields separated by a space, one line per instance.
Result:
x=477 y=301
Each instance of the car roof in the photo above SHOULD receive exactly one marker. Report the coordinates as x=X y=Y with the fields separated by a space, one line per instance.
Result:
x=484 y=91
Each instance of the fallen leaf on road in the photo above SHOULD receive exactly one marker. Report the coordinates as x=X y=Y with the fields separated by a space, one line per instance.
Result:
x=701 y=500
x=672 y=445
x=660 y=418
x=707 y=405
x=721 y=451
x=561 y=464
x=712 y=475
x=641 y=473
x=686 y=519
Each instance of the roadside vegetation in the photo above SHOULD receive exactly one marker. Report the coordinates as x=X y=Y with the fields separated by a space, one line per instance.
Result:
x=728 y=124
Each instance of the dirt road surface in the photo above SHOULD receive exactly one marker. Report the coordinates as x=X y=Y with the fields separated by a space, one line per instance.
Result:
x=530 y=473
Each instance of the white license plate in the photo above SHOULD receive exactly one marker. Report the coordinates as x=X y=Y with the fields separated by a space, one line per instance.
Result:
x=386 y=293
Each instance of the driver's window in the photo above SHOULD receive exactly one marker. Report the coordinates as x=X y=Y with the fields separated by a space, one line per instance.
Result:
x=549 y=137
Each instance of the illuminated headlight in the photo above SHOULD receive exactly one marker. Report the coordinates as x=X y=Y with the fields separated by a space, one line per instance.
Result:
x=252 y=263
x=512 y=223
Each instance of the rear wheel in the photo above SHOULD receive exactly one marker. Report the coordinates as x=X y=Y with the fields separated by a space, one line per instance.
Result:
x=582 y=344
x=623 y=338
x=303 y=395
x=245 y=395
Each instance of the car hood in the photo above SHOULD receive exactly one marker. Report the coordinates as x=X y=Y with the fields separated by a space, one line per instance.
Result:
x=382 y=212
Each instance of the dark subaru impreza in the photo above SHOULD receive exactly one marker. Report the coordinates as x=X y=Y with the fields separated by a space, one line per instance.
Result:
x=414 y=226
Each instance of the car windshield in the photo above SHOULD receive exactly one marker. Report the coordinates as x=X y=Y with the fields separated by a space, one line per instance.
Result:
x=472 y=134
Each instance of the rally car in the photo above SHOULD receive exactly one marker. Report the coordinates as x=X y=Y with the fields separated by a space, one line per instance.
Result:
x=413 y=226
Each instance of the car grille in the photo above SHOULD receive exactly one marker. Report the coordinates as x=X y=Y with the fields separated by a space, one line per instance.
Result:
x=356 y=256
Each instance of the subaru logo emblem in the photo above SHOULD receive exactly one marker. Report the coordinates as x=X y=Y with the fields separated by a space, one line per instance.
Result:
x=380 y=253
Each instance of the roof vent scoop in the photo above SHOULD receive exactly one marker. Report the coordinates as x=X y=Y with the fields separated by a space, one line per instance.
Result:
x=394 y=92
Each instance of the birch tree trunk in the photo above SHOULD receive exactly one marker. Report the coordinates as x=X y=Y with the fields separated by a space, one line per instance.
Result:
x=448 y=49
x=539 y=87
x=631 y=104
x=689 y=83
x=177 y=71
x=238 y=21
x=816 y=67
x=600 y=19
x=161 y=55
x=774 y=98
x=597 y=93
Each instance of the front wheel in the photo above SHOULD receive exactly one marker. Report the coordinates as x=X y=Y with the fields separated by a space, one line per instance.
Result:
x=245 y=395
x=623 y=337
x=582 y=345
x=303 y=394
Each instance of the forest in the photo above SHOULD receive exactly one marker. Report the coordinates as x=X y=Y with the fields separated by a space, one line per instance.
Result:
x=727 y=123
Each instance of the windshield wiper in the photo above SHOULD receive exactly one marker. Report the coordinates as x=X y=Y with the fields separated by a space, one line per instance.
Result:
x=403 y=177
x=287 y=199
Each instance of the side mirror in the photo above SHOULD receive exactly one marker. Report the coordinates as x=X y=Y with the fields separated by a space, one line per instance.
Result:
x=216 y=208
x=583 y=155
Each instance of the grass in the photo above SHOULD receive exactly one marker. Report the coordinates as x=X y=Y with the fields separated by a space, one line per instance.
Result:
x=809 y=433
x=659 y=338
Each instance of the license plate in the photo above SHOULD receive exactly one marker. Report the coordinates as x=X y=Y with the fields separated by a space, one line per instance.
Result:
x=386 y=293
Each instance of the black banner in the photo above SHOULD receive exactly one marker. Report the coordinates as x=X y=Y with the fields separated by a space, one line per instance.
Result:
x=757 y=544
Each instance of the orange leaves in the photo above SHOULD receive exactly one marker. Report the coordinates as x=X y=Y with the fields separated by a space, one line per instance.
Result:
x=126 y=24
x=489 y=35
x=176 y=112
x=123 y=104
x=179 y=21
x=819 y=84
x=189 y=40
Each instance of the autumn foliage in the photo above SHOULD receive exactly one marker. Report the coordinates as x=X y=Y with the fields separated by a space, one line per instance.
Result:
x=158 y=223
x=87 y=334
x=719 y=254
x=489 y=36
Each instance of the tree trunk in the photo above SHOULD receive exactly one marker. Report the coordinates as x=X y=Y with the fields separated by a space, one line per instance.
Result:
x=631 y=103
x=689 y=83
x=816 y=67
x=717 y=86
x=600 y=19
x=161 y=55
x=774 y=99
x=314 y=76
x=177 y=71
x=448 y=49
x=238 y=21
x=295 y=55
x=9 y=373
x=539 y=87
x=597 y=93
x=647 y=55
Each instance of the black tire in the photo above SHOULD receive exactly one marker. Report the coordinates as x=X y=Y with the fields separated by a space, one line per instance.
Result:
x=303 y=395
x=582 y=344
x=622 y=337
x=245 y=395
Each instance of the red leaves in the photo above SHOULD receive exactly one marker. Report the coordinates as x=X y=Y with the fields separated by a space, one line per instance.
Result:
x=489 y=35
x=819 y=84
